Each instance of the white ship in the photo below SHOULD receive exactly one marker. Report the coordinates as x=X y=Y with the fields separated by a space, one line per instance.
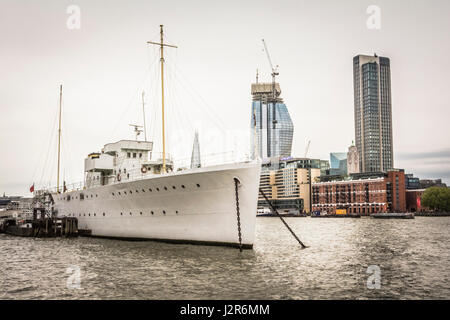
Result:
x=128 y=195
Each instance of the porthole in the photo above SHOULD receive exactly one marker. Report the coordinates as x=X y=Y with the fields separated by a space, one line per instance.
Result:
x=84 y=214
x=121 y=213
x=173 y=187
x=131 y=192
x=89 y=214
x=137 y=191
x=130 y=213
x=164 y=211
x=176 y=212
x=150 y=190
x=103 y=214
x=95 y=214
x=165 y=188
x=143 y=190
x=141 y=213
x=113 y=193
x=124 y=192
x=183 y=186
x=152 y=212
x=157 y=189
x=198 y=186
x=96 y=195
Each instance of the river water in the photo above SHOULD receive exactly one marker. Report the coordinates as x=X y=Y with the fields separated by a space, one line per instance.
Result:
x=413 y=257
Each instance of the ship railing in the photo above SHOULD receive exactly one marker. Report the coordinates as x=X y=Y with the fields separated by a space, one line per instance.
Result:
x=136 y=174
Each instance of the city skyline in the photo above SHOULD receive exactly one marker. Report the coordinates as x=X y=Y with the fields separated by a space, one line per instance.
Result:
x=101 y=66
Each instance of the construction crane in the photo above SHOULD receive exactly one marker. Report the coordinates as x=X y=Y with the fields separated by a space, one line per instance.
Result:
x=274 y=70
x=307 y=148
x=274 y=74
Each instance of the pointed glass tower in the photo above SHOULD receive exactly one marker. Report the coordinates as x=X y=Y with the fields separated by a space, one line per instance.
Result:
x=195 y=158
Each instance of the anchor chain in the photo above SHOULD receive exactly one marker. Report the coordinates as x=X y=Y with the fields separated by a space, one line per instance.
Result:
x=236 y=186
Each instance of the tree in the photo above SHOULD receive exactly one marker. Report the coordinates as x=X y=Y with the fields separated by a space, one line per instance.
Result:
x=437 y=199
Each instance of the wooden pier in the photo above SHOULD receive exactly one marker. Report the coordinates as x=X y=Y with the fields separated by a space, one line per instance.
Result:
x=41 y=226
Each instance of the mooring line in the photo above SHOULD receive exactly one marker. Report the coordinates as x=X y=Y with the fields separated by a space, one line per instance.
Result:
x=236 y=186
x=279 y=216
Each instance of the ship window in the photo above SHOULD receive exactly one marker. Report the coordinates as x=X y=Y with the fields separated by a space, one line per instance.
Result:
x=140 y=155
x=124 y=192
x=152 y=212
x=128 y=154
x=130 y=213
x=89 y=214
x=137 y=191
x=134 y=154
x=121 y=213
x=103 y=214
x=198 y=186
x=173 y=187
x=165 y=188
x=164 y=211
x=128 y=175
x=95 y=214
x=143 y=190
x=176 y=212
x=157 y=189
x=141 y=213
x=183 y=186
x=124 y=170
x=113 y=193
x=119 y=193
x=131 y=192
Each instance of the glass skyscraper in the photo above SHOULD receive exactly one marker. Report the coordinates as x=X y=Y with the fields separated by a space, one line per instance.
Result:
x=373 y=113
x=272 y=128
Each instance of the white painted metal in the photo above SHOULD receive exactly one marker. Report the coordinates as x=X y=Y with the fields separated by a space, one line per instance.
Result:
x=203 y=210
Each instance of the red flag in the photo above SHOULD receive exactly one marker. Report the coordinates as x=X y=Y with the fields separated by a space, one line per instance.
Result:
x=418 y=203
x=32 y=188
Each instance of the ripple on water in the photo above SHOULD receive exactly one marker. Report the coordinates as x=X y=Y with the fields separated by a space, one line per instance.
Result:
x=413 y=255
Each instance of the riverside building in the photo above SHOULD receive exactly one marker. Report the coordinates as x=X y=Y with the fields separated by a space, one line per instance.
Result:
x=362 y=193
x=287 y=183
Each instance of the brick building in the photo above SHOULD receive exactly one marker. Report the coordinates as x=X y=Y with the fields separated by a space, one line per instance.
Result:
x=373 y=193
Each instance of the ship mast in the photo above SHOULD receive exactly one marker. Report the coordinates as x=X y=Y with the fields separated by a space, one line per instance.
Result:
x=59 y=138
x=143 y=113
x=162 y=45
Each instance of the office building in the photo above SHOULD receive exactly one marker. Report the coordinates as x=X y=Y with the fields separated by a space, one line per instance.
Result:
x=373 y=113
x=338 y=163
x=287 y=183
x=272 y=128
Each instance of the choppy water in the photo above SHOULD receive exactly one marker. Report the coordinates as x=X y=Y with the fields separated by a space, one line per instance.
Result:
x=413 y=256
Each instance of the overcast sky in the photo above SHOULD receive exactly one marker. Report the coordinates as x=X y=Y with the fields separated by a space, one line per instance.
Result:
x=106 y=64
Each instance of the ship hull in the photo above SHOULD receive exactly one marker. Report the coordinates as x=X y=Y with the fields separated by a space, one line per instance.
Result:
x=191 y=206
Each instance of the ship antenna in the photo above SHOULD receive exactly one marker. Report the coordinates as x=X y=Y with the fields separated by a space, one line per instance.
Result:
x=59 y=138
x=137 y=130
x=162 y=45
